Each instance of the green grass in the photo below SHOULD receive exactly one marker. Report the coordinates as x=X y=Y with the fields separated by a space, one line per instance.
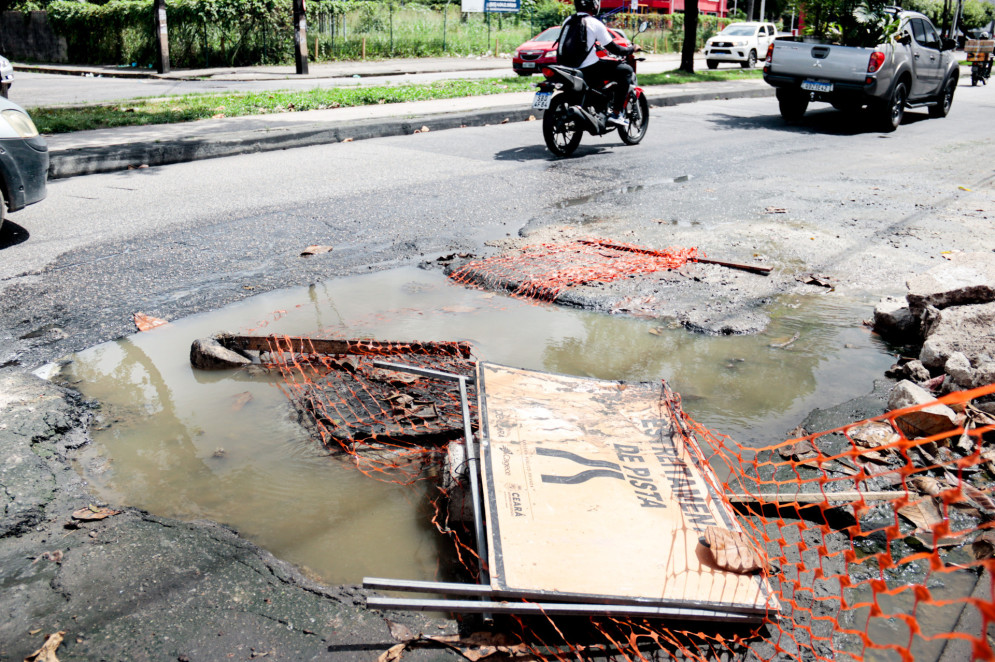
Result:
x=171 y=110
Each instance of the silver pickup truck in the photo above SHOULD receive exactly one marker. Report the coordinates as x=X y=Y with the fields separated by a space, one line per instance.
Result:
x=915 y=68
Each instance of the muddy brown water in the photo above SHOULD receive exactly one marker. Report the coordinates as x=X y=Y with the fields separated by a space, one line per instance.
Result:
x=227 y=446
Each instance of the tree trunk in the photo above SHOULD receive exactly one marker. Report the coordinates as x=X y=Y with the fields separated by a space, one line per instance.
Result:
x=690 y=36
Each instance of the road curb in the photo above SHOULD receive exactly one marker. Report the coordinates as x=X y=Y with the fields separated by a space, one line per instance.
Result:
x=74 y=162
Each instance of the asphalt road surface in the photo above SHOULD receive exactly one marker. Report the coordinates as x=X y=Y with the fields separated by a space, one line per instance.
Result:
x=866 y=208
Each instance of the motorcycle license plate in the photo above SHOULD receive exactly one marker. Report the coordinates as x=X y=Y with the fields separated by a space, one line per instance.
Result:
x=817 y=86
x=541 y=101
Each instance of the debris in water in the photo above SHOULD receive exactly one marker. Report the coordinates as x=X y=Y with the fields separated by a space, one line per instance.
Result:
x=145 y=322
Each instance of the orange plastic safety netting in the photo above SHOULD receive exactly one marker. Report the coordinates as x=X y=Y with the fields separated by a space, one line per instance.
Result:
x=543 y=271
x=877 y=535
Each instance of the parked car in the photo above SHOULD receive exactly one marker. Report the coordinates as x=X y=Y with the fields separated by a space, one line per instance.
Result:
x=540 y=51
x=916 y=68
x=23 y=160
x=6 y=76
x=740 y=43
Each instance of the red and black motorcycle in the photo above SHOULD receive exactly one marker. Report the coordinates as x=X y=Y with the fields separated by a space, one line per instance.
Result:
x=572 y=106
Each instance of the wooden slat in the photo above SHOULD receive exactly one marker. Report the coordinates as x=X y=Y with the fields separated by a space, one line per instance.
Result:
x=304 y=345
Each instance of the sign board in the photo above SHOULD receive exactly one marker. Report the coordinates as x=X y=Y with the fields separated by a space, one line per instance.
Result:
x=592 y=497
x=472 y=6
x=502 y=6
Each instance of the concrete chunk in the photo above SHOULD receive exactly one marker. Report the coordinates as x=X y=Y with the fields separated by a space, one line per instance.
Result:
x=935 y=419
x=893 y=319
x=209 y=354
x=968 y=278
x=969 y=330
x=959 y=369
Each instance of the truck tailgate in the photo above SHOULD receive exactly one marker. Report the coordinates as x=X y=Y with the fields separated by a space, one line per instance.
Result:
x=820 y=62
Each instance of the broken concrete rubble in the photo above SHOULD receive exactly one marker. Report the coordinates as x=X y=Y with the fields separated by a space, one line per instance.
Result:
x=893 y=319
x=965 y=278
x=968 y=329
x=932 y=420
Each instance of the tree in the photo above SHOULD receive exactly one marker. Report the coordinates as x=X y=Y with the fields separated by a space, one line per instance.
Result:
x=690 y=36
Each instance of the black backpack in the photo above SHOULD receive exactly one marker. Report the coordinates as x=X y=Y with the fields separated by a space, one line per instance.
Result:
x=572 y=48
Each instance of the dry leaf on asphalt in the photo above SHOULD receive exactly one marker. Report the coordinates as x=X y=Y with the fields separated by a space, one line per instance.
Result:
x=401 y=632
x=315 y=249
x=145 y=322
x=926 y=485
x=94 y=513
x=392 y=654
x=47 y=651
x=984 y=546
x=732 y=550
x=924 y=514
x=802 y=450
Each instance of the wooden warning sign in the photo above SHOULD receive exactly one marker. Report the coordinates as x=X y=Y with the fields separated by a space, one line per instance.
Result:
x=591 y=497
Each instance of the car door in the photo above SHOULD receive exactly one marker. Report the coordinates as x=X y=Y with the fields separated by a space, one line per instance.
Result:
x=763 y=40
x=926 y=60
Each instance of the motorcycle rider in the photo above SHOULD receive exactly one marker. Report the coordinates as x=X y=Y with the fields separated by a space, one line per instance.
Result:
x=594 y=68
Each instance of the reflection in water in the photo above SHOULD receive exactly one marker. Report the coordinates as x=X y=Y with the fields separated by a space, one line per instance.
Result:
x=227 y=445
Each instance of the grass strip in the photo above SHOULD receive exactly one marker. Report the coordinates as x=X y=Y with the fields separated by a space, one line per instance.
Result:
x=187 y=108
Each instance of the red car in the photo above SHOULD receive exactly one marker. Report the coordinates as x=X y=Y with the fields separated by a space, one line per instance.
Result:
x=540 y=51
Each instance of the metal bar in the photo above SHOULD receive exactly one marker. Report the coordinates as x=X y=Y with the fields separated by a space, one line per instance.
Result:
x=754 y=268
x=515 y=596
x=416 y=586
x=473 y=462
x=305 y=345
x=562 y=609
x=422 y=372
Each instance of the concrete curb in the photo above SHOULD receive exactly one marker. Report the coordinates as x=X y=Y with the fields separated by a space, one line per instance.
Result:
x=93 y=160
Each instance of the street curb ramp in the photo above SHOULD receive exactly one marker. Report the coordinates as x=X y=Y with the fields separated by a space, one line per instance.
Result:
x=112 y=158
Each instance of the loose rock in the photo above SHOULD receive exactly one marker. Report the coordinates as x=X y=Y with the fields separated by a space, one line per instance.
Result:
x=968 y=278
x=925 y=422
x=209 y=354
x=969 y=330
x=893 y=319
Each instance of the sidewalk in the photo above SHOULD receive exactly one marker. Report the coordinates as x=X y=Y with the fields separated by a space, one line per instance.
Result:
x=109 y=150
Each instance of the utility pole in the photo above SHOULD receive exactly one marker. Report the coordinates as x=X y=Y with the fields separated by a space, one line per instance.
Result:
x=763 y=7
x=300 y=37
x=162 y=36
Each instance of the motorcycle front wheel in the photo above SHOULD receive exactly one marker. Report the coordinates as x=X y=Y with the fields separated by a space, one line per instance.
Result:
x=637 y=110
x=560 y=131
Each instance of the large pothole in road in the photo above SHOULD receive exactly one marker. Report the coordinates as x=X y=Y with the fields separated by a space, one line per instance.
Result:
x=228 y=446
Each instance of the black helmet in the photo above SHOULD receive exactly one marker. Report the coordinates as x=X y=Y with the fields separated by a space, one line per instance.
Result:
x=588 y=6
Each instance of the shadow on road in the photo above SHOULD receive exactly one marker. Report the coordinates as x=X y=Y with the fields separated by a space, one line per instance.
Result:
x=825 y=120
x=540 y=153
x=12 y=234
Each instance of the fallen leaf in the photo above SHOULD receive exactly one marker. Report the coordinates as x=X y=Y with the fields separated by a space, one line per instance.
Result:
x=401 y=632
x=926 y=485
x=47 y=651
x=392 y=654
x=347 y=140
x=241 y=400
x=802 y=450
x=656 y=331
x=145 y=322
x=978 y=497
x=815 y=279
x=732 y=550
x=316 y=250
x=94 y=513
x=874 y=434
x=984 y=546
x=923 y=514
x=963 y=188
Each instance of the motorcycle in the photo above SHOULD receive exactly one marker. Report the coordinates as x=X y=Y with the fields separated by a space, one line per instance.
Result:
x=572 y=106
x=979 y=54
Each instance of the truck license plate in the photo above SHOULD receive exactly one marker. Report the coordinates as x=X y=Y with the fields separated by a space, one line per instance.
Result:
x=817 y=86
x=541 y=101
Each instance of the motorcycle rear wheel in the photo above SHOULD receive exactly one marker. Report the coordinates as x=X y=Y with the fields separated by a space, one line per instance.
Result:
x=637 y=110
x=561 y=133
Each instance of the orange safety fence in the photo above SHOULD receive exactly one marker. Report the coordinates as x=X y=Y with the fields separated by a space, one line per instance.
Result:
x=542 y=272
x=878 y=535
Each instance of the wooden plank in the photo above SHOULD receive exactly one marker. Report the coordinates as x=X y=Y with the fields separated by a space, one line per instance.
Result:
x=817 y=497
x=592 y=496
x=305 y=345
x=559 y=609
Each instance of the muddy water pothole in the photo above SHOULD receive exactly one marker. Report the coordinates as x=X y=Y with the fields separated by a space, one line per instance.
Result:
x=227 y=445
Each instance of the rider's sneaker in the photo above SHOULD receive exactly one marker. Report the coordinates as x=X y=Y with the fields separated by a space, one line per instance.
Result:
x=619 y=120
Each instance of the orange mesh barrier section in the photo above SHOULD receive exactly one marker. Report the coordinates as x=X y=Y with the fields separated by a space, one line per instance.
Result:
x=878 y=535
x=543 y=271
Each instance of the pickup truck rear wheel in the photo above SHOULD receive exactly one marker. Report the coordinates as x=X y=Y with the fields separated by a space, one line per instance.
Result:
x=946 y=99
x=890 y=113
x=792 y=104
x=751 y=60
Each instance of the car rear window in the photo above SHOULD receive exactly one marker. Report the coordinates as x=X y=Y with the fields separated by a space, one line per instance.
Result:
x=550 y=35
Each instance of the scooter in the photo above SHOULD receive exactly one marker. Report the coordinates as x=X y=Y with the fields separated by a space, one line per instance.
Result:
x=572 y=106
